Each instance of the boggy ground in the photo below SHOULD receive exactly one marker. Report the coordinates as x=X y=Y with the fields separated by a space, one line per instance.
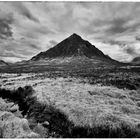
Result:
x=82 y=104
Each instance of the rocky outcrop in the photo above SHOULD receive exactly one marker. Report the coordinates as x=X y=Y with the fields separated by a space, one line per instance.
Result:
x=12 y=125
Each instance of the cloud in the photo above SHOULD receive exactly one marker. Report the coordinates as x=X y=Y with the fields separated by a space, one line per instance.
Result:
x=53 y=42
x=114 y=51
x=34 y=46
x=30 y=43
x=26 y=28
x=138 y=38
x=131 y=51
x=117 y=26
x=114 y=42
x=10 y=54
x=5 y=29
x=5 y=26
x=50 y=44
x=23 y=10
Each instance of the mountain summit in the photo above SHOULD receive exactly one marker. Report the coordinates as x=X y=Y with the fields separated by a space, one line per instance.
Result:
x=72 y=46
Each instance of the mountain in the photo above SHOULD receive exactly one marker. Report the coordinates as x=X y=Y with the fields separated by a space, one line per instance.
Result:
x=72 y=47
x=3 y=63
x=71 y=54
x=136 y=60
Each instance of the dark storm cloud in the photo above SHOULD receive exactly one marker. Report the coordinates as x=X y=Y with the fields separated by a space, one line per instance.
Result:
x=5 y=26
x=113 y=26
x=108 y=26
x=131 y=51
x=137 y=38
x=117 y=26
x=114 y=18
x=24 y=11
x=5 y=29
x=114 y=42
x=34 y=46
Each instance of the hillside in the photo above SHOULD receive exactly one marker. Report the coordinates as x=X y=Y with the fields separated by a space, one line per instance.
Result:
x=136 y=60
x=3 y=63
x=72 y=54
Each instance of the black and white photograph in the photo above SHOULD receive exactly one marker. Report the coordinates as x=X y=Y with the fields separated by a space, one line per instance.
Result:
x=69 y=69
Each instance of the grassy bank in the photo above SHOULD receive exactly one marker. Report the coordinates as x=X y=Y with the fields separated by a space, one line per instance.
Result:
x=101 y=122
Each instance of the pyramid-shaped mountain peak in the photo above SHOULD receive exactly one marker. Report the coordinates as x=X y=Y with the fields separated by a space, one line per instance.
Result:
x=76 y=36
x=72 y=46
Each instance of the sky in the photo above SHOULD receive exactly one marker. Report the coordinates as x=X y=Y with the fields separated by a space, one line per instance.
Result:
x=28 y=28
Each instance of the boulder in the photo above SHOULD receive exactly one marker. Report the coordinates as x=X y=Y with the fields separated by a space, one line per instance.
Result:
x=14 y=108
x=14 y=127
x=46 y=124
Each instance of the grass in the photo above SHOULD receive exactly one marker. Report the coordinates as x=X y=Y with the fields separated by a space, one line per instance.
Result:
x=121 y=77
x=90 y=103
x=75 y=109
x=37 y=111
x=21 y=96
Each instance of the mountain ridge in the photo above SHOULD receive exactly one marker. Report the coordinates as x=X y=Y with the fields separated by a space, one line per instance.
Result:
x=71 y=54
x=72 y=46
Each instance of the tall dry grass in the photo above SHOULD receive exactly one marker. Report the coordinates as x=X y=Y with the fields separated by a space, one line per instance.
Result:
x=87 y=110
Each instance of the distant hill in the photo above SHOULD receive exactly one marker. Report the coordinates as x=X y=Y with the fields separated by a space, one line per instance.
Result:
x=3 y=63
x=136 y=60
x=73 y=47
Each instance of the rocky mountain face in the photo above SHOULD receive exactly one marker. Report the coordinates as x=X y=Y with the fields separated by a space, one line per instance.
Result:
x=73 y=46
x=73 y=53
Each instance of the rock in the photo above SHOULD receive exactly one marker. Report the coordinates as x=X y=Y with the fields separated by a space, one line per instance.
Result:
x=4 y=116
x=46 y=123
x=14 y=127
x=8 y=106
x=14 y=108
